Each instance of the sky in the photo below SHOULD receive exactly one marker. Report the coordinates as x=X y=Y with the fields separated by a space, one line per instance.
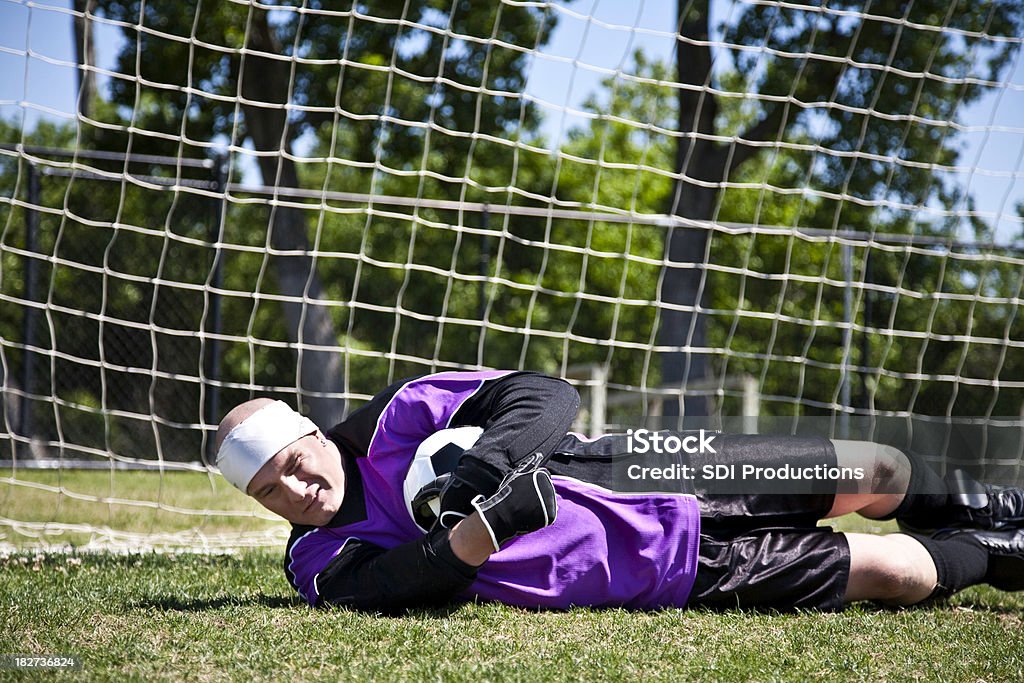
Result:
x=593 y=39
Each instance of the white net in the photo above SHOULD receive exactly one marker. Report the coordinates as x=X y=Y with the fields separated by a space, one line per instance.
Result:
x=719 y=208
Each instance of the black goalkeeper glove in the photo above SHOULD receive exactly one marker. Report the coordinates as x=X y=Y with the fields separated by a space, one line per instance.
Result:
x=423 y=503
x=525 y=502
x=472 y=477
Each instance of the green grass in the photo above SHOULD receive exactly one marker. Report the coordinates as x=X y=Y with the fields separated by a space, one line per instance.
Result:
x=125 y=501
x=160 y=617
x=198 y=617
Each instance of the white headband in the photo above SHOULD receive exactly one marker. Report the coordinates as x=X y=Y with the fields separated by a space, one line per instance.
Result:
x=257 y=439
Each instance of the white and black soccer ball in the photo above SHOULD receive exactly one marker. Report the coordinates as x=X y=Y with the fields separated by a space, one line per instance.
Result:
x=438 y=454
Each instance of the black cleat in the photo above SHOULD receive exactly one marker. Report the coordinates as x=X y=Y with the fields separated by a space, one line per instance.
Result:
x=974 y=505
x=1005 y=555
x=985 y=506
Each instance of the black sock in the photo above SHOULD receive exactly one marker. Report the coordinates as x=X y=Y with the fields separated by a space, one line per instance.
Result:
x=927 y=496
x=960 y=561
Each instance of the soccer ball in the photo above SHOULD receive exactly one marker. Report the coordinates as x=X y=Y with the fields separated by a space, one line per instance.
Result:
x=438 y=454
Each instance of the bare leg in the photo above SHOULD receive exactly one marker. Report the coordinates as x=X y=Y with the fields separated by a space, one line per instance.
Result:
x=893 y=569
x=887 y=475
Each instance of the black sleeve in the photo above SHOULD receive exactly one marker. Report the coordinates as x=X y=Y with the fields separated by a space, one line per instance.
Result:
x=420 y=573
x=522 y=414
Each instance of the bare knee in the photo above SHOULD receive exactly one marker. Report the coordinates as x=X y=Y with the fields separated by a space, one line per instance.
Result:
x=892 y=578
x=886 y=469
x=890 y=479
x=891 y=471
x=886 y=475
x=893 y=569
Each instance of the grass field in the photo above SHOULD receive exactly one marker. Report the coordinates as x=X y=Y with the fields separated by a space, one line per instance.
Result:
x=230 y=617
x=187 y=504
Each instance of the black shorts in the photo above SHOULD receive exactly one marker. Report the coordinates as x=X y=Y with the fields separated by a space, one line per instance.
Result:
x=765 y=551
x=758 y=549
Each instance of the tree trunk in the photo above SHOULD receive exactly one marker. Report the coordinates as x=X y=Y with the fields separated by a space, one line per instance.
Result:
x=682 y=285
x=264 y=87
x=85 y=54
x=696 y=159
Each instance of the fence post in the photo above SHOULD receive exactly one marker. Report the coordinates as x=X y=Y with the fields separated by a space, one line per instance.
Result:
x=29 y=317
x=213 y=354
x=751 y=403
x=598 y=399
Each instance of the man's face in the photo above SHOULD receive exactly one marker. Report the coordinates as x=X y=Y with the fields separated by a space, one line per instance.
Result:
x=304 y=482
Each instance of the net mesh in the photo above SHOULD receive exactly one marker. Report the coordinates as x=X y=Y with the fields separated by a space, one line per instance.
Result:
x=752 y=207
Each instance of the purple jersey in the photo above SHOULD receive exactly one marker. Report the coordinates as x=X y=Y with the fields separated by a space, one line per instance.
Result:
x=606 y=548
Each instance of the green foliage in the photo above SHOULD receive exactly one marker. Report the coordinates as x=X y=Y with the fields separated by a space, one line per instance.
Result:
x=864 y=126
x=387 y=107
x=777 y=301
x=874 y=74
x=366 y=89
x=128 y=262
x=342 y=52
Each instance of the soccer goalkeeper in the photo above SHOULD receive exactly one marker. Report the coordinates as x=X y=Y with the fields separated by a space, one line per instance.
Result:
x=531 y=515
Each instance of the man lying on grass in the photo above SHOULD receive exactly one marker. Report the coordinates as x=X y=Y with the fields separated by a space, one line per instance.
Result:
x=530 y=515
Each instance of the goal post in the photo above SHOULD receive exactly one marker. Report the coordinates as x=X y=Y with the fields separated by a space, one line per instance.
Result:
x=782 y=209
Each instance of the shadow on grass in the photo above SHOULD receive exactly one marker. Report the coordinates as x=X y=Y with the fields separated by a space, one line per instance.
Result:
x=278 y=602
x=187 y=605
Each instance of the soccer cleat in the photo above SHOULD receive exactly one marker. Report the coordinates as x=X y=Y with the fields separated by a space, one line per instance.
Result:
x=974 y=505
x=1005 y=555
x=984 y=506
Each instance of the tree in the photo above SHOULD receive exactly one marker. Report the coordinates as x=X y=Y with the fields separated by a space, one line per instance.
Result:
x=822 y=72
x=319 y=72
x=776 y=304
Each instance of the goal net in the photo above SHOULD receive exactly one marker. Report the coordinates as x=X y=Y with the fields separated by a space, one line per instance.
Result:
x=700 y=208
